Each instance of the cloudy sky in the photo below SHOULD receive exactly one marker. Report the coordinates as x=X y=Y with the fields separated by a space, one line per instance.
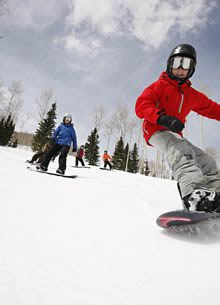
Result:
x=105 y=52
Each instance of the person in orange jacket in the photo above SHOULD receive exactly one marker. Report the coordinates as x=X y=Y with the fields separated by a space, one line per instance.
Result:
x=164 y=106
x=107 y=158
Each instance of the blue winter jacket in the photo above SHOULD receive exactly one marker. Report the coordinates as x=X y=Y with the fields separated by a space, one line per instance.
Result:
x=65 y=134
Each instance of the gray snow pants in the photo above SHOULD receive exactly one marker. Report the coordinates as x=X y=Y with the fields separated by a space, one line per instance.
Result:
x=191 y=166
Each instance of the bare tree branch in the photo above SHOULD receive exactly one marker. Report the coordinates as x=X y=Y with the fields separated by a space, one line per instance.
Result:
x=23 y=119
x=122 y=120
x=108 y=128
x=131 y=127
x=15 y=101
x=44 y=102
x=11 y=99
x=98 y=117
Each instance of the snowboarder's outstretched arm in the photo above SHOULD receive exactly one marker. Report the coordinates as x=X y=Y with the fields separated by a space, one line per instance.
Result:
x=205 y=106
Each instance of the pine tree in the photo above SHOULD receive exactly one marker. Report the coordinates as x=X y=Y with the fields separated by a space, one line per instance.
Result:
x=133 y=164
x=118 y=157
x=1 y=130
x=44 y=132
x=92 y=148
x=7 y=128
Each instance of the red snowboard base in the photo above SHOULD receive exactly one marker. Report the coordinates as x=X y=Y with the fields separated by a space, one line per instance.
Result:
x=183 y=217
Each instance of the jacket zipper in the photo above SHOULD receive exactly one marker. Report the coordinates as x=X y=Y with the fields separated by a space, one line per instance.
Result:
x=143 y=126
x=181 y=101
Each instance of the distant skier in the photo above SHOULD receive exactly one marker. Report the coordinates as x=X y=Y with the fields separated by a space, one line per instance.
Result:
x=107 y=158
x=62 y=137
x=164 y=106
x=79 y=156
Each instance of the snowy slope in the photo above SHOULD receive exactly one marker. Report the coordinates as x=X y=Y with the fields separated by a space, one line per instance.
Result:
x=93 y=240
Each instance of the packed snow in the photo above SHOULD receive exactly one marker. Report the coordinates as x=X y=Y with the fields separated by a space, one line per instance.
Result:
x=93 y=240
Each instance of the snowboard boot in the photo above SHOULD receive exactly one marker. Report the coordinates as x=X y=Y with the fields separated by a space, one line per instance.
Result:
x=201 y=200
x=60 y=171
x=42 y=168
x=217 y=203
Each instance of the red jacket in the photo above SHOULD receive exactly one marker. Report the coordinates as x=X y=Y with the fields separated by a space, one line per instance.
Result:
x=167 y=96
x=80 y=153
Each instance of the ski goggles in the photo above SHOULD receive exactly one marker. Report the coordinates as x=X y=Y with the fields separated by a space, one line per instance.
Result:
x=182 y=62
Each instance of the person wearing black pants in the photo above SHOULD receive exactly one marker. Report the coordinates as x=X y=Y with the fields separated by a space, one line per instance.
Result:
x=62 y=137
x=55 y=149
x=79 y=156
x=107 y=158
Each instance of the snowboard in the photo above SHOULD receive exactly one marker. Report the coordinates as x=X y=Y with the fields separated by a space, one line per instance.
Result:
x=50 y=173
x=80 y=166
x=105 y=169
x=180 y=218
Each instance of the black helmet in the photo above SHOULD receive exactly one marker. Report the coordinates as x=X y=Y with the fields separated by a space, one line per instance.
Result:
x=182 y=50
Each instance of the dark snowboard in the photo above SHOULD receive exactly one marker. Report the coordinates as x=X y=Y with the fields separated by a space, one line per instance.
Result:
x=183 y=217
x=106 y=169
x=49 y=173
x=80 y=166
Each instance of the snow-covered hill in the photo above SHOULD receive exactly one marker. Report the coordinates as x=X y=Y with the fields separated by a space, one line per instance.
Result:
x=94 y=241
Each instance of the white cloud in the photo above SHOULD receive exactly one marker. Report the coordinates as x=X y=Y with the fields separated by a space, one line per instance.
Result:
x=88 y=22
x=98 y=14
x=87 y=47
x=148 y=21
x=35 y=14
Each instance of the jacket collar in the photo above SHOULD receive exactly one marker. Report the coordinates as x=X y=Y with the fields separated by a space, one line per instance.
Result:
x=68 y=125
x=173 y=82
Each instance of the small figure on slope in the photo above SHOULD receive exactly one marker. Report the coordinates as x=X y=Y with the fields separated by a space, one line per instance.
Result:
x=38 y=156
x=62 y=138
x=107 y=158
x=79 y=156
x=164 y=106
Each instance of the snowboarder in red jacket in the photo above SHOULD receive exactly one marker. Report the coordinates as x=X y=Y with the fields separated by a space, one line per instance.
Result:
x=164 y=106
x=79 y=156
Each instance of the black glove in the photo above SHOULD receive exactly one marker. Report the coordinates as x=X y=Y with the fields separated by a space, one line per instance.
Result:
x=52 y=141
x=170 y=122
x=74 y=149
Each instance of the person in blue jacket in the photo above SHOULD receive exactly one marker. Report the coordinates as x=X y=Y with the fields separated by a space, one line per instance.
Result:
x=62 y=138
